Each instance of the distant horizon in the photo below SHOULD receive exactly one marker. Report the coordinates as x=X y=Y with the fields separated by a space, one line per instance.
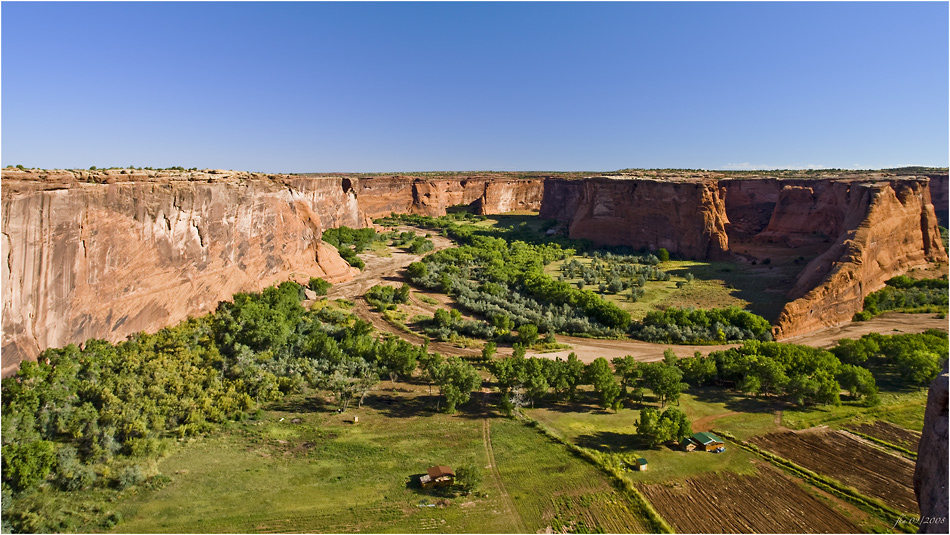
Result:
x=477 y=171
x=374 y=86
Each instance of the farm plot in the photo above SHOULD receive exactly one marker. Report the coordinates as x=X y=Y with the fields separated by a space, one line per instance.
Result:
x=851 y=461
x=767 y=502
x=891 y=433
x=551 y=488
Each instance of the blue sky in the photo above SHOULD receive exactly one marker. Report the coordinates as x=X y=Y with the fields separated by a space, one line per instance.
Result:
x=362 y=87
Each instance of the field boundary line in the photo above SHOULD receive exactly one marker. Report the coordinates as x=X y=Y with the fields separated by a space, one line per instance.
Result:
x=828 y=484
x=506 y=498
x=886 y=444
x=653 y=517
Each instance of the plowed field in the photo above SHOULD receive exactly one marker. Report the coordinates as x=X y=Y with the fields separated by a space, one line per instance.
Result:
x=890 y=433
x=768 y=502
x=851 y=461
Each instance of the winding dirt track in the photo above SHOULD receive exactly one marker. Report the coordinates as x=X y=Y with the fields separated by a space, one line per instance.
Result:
x=380 y=270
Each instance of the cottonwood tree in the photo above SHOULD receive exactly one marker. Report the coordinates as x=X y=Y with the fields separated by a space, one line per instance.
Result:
x=601 y=377
x=456 y=380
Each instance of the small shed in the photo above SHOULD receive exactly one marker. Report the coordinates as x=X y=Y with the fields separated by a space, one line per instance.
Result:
x=641 y=464
x=687 y=444
x=707 y=441
x=438 y=476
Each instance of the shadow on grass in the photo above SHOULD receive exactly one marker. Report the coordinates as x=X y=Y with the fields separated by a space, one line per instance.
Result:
x=741 y=403
x=303 y=404
x=612 y=442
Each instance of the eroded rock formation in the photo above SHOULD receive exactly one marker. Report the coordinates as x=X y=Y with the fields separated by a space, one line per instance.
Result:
x=103 y=260
x=853 y=232
x=103 y=254
x=930 y=475
x=381 y=196
x=685 y=217
x=107 y=253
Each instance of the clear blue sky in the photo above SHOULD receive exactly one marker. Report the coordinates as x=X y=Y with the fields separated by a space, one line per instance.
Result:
x=361 y=87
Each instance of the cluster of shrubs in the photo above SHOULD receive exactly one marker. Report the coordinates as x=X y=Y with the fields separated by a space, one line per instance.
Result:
x=350 y=242
x=414 y=244
x=905 y=294
x=387 y=297
x=698 y=326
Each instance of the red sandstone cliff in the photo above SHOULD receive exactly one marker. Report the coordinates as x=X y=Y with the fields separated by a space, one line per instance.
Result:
x=683 y=217
x=857 y=231
x=102 y=254
x=103 y=260
x=886 y=228
x=380 y=196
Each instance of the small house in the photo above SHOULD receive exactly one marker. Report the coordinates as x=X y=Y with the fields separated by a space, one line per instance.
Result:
x=438 y=476
x=641 y=464
x=707 y=441
x=687 y=444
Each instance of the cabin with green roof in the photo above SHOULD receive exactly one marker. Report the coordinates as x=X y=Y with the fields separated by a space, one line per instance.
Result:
x=707 y=441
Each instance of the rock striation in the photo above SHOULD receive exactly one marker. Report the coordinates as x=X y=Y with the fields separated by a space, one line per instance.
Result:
x=103 y=255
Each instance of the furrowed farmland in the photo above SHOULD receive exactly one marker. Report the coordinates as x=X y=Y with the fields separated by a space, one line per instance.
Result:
x=850 y=460
x=767 y=502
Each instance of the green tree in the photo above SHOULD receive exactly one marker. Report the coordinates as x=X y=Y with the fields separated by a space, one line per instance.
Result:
x=319 y=286
x=528 y=334
x=647 y=425
x=574 y=374
x=535 y=379
x=859 y=382
x=601 y=377
x=918 y=367
x=456 y=380
x=680 y=425
x=468 y=477
x=26 y=465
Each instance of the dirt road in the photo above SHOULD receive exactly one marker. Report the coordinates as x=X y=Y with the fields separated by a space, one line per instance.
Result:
x=380 y=270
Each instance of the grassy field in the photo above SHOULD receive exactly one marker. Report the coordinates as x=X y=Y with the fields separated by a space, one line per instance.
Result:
x=904 y=409
x=615 y=433
x=706 y=291
x=304 y=468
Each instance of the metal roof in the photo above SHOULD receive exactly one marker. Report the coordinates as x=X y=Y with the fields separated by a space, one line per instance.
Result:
x=439 y=471
x=705 y=438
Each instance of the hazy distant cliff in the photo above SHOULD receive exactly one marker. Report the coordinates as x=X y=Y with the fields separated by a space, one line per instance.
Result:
x=381 y=196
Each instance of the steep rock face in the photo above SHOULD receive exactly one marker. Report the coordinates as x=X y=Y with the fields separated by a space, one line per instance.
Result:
x=940 y=196
x=859 y=232
x=886 y=228
x=380 y=196
x=683 y=217
x=103 y=260
x=930 y=474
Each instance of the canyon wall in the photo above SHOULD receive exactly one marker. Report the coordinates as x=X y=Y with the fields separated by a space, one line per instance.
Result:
x=886 y=228
x=86 y=259
x=108 y=253
x=940 y=196
x=103 y=254
x=381 y=196
x=684 y=217
x=855 y=233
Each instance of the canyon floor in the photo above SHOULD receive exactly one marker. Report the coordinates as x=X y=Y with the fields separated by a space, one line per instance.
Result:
x=386 y=266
